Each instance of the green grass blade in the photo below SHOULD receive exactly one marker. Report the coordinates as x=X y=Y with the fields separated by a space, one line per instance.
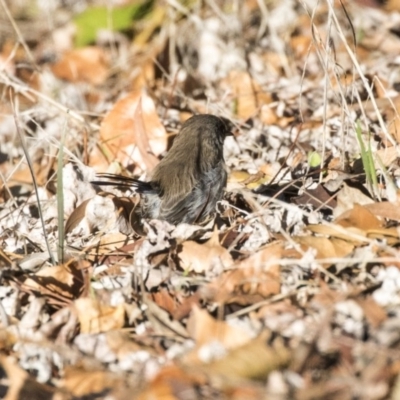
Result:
x=368 y=162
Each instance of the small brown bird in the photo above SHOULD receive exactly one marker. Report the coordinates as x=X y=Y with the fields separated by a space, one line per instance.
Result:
x=187 y=184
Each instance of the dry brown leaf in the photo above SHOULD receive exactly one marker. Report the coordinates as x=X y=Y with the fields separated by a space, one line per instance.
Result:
x=347 y=197
x=164 y=300
x=268 y=115
x=390 y=235
x=239 y=179
x=111 y=242
x=23 y=174
x=390 y=108
x=344 y=80
x=121 y=344
x=95 y=317
x=185 y=308
x=284 y=122
x=22 y=386
x=16 y=375
x=7 y=339
x=13 y=61
x=161 y=321
x=253 y=279
x=385 y=209
x=7 y=63
x=250 y=96
x=359 y=217
x=382 y=103
x=390 y=261
x=204 y=329
x=301 y=45
x=238 y=176
x=141 y=139
x=132 y=133
x=393 y=123
x=88 y=65
x=243 y=391
x=373 y=312
x=269 y=170
x=274 y=310
x=245 y=286
x=391 y=5
x=382 y=87
x=388 y=155
x=81 y=382
x=342 y=247
x=126 y=217
x=318 y=197
x=352 y=235
x=326 y=297
x=200 y=257
x=61 y=282
x=144 y=76
x=113 y=255
x=171 y=381
x=253 y=360
x=314 y=124
x=273 y=62
x=76 y=217
x=326 y=248
x=296 y=160
x=105 y=211
x=367 y=3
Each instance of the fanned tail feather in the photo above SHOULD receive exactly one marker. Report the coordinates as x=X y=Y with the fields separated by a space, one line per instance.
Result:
x=123 y=181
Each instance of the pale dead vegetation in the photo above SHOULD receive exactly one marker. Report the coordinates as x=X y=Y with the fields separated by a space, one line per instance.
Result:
x=293 y=291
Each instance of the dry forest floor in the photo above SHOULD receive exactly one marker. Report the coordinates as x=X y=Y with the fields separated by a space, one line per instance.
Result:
x=292 y=291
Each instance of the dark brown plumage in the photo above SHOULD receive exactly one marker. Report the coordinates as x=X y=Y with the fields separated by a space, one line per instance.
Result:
x=186 y=185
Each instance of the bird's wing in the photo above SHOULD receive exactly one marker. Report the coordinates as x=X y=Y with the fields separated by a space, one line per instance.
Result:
x=193 y=205
x=179 y=209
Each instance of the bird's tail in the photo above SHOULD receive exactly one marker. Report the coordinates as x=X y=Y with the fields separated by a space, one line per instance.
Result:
x=123 y=182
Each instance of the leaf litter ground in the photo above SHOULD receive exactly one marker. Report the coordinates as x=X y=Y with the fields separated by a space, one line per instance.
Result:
x=293 y=291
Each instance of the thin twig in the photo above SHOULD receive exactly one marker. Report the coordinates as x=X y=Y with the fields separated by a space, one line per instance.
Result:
x=19 y=34
x=29 y=162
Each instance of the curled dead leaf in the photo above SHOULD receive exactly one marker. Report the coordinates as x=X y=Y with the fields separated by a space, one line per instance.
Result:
x=359 y=217
x=385 y=209
x=88 y=65
x=76 y=217
x=205 y=329
x=326 y=248
x=253 y=360
x=83 y=382
x=253 y=279
x=95 y=317
x=105 y=212
x=60 y=283
x=20 y=383
x=200 y=257
x=132 y=133
x=249 y=94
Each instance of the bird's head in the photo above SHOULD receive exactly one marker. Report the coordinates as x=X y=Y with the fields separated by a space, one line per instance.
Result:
x=209 y=127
